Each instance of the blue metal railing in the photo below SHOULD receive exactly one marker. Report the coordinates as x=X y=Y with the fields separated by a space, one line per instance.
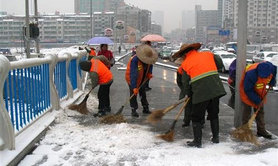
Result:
x=73 y=74
x=60 y=79
x=27 y=94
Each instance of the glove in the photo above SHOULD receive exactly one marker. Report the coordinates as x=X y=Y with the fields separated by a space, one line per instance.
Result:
x=135 y=91
x=149 y=76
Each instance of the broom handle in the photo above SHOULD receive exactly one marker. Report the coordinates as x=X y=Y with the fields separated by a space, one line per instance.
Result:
x=120 y=110
x=179 y=114
x=250 y=121
x=182 y=108
x=174 y=105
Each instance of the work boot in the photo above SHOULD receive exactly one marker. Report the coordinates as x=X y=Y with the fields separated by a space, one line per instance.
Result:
x=146 y=110
x=134 y=113
x=101 y=112
x=264 y=134
x=107 y=109
x=214 y=125
x=148 y=89
x=261 y=132
x=197 y=131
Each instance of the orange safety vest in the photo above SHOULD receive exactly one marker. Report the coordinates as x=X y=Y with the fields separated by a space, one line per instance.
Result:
x=104 y=74
x=180 y=70
x=199 y=65
x=92 y=53
x=140 y=72
x=259 y=88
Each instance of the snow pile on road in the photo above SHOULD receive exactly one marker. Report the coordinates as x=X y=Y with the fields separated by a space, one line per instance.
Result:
x=80 y=140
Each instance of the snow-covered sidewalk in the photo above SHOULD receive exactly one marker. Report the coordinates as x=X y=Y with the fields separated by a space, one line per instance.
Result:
x=80 y=140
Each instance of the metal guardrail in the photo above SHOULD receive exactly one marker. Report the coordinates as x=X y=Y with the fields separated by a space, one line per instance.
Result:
x=31 y=87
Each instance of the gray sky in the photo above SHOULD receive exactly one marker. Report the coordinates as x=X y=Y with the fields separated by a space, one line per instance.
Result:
x=172 y=8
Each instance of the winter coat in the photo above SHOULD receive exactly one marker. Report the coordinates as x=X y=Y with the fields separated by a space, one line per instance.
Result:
x=201 y=78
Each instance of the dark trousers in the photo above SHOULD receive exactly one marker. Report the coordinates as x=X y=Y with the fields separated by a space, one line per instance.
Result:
x=142 y=94
x=246 y=114
x=103 y=96
x=199 y=110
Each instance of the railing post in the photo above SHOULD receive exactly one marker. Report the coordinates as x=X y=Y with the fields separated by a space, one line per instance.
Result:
x=54 y=97
x=7 y=138
x=69 y=86
x=79 y=79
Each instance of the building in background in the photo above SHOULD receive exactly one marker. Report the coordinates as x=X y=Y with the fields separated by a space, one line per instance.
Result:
x=262 y=20
x=102 y=21
x=83 y=6
x=204 y=19
x=158 y=18
x=53 y=27
x=188 y=19
x=156 y=28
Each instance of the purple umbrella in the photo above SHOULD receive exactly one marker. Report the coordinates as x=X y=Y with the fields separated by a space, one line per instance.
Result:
x=100 y=40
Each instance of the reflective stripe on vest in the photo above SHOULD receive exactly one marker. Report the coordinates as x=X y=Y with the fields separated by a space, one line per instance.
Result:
x=199 y=65
x=259 y=87
x=104 y=74
x=140 y=71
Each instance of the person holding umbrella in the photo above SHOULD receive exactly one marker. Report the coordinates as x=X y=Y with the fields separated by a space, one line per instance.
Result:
x=107 y=53
x=138 y=72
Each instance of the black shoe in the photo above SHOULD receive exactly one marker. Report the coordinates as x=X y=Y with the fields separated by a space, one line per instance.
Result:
x=197 y=132
x=107 y=109
x=148 y=89
x=265 y=135
x=194 y=144
x=100 y=113
x=146 y=110
x=215 y=140
x=134 y=113
x=185 y=124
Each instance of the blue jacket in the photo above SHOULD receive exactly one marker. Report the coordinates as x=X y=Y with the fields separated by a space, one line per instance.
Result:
x=251 y=78
x=134 y=71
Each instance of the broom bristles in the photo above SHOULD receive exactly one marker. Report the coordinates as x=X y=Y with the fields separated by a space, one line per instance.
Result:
x=112 y=119
x=245 y=134
x=155 y=116
x=169 y=136
x=81 y=108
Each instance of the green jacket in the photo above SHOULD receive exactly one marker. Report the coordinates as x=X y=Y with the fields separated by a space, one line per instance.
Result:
x=204 y=89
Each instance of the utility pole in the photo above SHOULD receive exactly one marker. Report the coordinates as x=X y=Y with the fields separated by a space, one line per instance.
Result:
x=241 y=57
x=37 y=22
x=27 y=31
x=91 y=18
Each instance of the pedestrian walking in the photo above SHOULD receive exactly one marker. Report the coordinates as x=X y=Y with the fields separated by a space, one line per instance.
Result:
x=253 y=89
x=200 y=74
x=107 y=53
x=119 y=48
x=102 y=76
x=139 y=69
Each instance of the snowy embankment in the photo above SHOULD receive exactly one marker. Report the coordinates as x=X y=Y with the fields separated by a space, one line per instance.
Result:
x=81 y=140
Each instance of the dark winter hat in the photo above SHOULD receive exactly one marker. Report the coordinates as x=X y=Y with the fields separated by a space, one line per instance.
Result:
x=264 y=69
x=85 y=65
x=185 y=48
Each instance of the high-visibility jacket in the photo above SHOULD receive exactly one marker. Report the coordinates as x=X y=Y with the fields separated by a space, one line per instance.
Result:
x=104 y=74
x=180 y=70
x=259 y=88
x=140 y=72
x=92 y=53
x=199 y=65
